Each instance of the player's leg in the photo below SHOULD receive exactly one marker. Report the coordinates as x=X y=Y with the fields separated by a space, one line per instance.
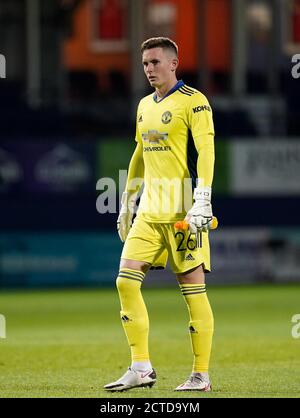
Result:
x=140 y=250
x=135 y=322
x=189 y=264
x=134 y=313
x=201 y=325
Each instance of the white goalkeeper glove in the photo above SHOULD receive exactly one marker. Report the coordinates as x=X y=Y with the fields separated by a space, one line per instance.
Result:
x=124 y=220
x=200 y=214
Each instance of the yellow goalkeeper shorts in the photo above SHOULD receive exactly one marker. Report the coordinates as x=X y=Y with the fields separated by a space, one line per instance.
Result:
x=153 y=243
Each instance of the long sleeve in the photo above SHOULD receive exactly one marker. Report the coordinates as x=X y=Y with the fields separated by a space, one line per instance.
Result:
x=135 y=175
x=202 y=128
x=206 y=160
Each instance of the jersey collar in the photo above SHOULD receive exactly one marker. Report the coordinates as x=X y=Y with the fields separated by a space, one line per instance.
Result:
x=177 y=86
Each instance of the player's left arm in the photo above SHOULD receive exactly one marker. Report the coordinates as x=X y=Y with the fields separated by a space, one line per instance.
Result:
x=202 y=128
x=206 y=160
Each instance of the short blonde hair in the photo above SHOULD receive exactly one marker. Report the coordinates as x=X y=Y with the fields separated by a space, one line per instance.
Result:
x=160 y=42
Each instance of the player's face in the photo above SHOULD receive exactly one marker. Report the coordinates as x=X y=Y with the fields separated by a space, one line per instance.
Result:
x=159 y=66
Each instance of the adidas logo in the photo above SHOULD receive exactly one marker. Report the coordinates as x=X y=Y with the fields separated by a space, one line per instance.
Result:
x=192 y=330
x=125 y=318
x=189 y=257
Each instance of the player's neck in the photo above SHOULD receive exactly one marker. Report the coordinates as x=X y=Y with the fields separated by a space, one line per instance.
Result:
x=164 y=89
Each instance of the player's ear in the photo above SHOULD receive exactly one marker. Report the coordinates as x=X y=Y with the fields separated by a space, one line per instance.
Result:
x=174 y=64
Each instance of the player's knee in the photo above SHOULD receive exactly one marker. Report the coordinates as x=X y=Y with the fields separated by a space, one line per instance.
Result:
x=193 y=276
x=121 y=284
x=125 y=285
x=140 y=266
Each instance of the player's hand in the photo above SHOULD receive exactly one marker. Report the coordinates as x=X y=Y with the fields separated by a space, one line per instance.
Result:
x=124 y=220
x=200 y=214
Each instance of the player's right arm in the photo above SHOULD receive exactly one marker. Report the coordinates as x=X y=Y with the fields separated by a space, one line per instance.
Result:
x=135 y=170
x=133 y=185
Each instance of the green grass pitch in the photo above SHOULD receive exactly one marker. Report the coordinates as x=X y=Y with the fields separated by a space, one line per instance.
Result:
x=70 y=343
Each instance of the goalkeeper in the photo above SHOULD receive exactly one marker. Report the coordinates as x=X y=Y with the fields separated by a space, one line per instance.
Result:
x=174 y=158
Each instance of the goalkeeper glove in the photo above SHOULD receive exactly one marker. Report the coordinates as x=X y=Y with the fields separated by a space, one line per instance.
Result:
x=124 y=220
x=200 y=214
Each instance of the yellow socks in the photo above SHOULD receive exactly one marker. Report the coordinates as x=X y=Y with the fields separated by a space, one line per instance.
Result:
x=134 y=313
x=201 y=324
x=136 y=323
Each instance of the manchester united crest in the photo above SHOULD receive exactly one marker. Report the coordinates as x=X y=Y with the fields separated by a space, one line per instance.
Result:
x=166 y=117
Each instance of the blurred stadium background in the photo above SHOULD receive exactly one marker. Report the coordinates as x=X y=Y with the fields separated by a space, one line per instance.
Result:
x=70 y=80
x=73 y=79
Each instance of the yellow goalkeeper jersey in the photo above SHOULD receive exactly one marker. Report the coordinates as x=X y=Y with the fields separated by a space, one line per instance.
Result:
x=170 y=132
